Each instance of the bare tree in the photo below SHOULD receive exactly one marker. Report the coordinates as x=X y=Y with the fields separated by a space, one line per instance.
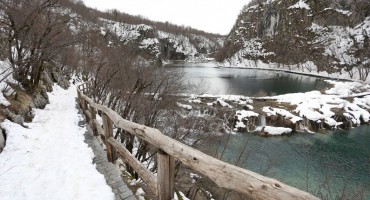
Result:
x=35 y=34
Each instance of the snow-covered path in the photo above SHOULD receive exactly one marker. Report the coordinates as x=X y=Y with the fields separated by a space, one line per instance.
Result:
x=50 y=159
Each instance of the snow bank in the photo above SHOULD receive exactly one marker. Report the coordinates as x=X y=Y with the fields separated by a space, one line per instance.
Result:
x=347 y=88
x=195 y=101
x=49 y=160
x=274 y=111
x=244 y=114
x=356 y=113
x=270 y=130
x=318 y=107
x=187 y=107
x=223 y=103
x=363 y=102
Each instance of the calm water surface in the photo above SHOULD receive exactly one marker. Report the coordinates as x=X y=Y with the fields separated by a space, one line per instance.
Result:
x=320 y=163
x=208 y=78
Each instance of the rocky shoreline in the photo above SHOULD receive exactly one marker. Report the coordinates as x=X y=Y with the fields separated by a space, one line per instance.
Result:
x=343 y=106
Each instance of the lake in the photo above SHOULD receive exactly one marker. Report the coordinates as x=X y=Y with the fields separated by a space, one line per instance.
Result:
x=208 y=78
x=321 y=163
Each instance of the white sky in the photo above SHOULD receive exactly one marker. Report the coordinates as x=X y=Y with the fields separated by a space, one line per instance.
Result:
x=215 y=16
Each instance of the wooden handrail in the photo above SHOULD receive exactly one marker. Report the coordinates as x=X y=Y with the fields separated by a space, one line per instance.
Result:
x=223 y=174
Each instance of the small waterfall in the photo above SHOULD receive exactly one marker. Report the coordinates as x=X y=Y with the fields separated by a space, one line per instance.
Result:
x=262 y=120
x=300 y=126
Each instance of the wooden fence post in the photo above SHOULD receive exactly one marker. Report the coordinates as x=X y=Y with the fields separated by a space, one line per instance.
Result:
x=79 y=96
x=166 y=175
x=87 y=88
x=83 y=104
x=86 y=107
x=93 y=118
x=108 y=132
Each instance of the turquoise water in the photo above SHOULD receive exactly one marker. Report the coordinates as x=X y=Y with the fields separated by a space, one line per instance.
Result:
x=322 y=164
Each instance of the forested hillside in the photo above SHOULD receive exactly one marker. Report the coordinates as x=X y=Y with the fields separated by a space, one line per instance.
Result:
x=155 y=41
x=307 y=35
x=47 y=41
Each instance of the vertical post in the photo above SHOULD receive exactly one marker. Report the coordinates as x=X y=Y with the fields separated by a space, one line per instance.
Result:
x=166 y=175
x=79 y=97
x=83 y=105
x=84 y=88
x=88 y=87
x=93 y=117
x=108 y=132
x=86 y=107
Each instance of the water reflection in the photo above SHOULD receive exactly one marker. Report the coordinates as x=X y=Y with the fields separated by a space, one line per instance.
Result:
x=250 y=82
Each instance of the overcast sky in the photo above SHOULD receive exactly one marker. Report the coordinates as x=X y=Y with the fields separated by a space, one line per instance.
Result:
x=215 y=16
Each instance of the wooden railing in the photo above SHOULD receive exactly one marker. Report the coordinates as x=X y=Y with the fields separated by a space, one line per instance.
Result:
x=223 y=174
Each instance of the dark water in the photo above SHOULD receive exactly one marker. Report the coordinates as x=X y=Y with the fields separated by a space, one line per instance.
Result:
x=323 y=164
x=250 y=82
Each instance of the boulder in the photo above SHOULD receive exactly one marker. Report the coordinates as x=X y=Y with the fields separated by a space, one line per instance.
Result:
x=18 y=119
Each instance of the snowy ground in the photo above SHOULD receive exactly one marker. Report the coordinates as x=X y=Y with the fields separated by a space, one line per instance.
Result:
x=49 y=160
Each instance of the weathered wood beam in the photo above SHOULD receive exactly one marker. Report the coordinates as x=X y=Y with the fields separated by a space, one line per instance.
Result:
x=98 y=127
x=143 y=172
x=88 y=115
x=108 y=132
x=92 y=119
x=165 y=175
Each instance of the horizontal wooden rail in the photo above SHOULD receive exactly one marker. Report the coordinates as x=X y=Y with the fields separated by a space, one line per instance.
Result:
x=147 y=176
x=223 y=174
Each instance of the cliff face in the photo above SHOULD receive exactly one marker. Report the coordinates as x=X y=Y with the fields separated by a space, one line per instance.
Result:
x=333 y=35
x=157 y=45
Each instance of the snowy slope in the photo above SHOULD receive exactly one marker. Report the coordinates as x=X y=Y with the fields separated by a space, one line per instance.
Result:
x=180 y=43
x=340 y=41
x=326 y=37
x=49 y=160
x=157 y=42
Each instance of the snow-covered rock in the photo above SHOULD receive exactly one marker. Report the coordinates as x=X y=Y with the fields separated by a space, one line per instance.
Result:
x=269 y=130
x=186 y=107
x=278 y=111
x=243 y=116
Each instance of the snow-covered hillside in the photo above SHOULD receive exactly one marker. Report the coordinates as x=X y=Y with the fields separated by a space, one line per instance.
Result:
x=149 y=41
x=323 y=36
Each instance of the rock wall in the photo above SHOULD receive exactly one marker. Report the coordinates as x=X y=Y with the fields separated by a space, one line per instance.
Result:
x=330 y=34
